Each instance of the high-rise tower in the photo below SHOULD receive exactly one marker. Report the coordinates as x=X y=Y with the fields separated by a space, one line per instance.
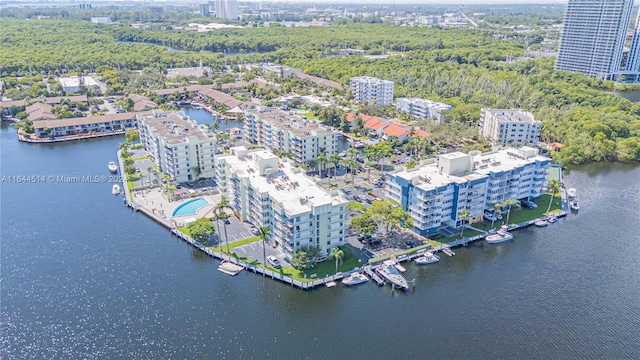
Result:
x=633 y=59
x=593 y=37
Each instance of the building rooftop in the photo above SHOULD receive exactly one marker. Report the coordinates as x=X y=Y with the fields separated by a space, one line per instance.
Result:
x=511 y=115
x=370 y=80
x=505 y=159
x=397 y=130
x=427 y=102
x=47 y=100
x=320 y=81
x=175 y=127
x=142 y=102
x=428 y=177
x=286 y=185
x=41 y=124
x=289 y=121
x=74 y=81
x=40 y=111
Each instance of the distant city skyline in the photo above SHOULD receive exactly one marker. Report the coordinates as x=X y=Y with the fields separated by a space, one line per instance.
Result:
x=336 y=2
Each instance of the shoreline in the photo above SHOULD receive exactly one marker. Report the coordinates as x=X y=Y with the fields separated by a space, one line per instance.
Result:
x=367 y=268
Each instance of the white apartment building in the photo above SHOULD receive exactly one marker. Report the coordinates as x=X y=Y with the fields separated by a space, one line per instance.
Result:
x=101 y=20
x=266 y=191
x=179 y=146
x=73 y=84
x=437 y=192
x=422 y=108
x=510 y=126
x=365 y=89
x=594 y=36
x=277 y=129
x=227 y=9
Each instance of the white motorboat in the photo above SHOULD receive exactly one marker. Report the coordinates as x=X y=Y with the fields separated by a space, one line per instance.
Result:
x=542 y=223
x=390 y=273
x=572 y=192
x=551 y=219
x=355 y=279
x=500 y=236
x=575 y=206
x=115 y=190
x=229 y=268
x=427 y=258
x=113 y=167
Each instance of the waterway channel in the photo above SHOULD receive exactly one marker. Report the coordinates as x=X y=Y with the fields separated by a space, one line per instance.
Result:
x=83 y=276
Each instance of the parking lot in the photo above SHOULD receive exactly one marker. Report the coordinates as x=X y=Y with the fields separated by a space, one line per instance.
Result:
x=236 y=230
x=142 y=166
x=253 y=251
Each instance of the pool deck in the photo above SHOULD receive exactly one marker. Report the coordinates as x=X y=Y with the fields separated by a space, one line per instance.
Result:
x=154 y=201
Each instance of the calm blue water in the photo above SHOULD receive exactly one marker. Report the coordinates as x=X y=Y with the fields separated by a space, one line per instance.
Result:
x=84 y=277
x=190 y=207
x=202 y=116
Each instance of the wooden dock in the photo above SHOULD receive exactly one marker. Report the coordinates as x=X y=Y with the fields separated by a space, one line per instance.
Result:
x=369 y=270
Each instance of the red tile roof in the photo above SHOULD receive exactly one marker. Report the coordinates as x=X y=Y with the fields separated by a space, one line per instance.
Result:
x=422 y=133
x=395 y=129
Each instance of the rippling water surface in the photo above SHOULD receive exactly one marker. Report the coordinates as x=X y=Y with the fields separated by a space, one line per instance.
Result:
x=84 y=277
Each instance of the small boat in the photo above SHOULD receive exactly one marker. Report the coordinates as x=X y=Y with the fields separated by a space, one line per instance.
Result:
x=331 y=284
x=390 y=273
x=229 y=268
x=575 y=206
x=551 y=219
x=115 y=190
x=542 y=223
x=500 y=236
x=355 y=279
x=448 y=251
x=113 y=167
x=572 y=192
x=427 y=258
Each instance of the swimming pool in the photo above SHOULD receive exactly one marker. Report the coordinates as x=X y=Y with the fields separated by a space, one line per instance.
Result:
x=190 y=207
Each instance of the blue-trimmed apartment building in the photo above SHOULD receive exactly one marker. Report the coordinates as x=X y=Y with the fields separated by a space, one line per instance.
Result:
x=438 y=191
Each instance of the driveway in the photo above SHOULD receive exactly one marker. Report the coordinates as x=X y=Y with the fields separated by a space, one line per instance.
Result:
x=253 y=251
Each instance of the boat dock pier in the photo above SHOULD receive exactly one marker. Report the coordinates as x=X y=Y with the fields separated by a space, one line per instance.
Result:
x=370 y=270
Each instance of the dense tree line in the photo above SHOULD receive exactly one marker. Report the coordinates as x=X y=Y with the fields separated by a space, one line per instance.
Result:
x=464 y=68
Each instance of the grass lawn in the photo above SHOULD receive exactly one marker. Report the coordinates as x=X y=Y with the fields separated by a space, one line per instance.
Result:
x=141 y=158
x=327 y=267
x=519 y=215
x=234 y=244
x=184 y=230
x=309 y=114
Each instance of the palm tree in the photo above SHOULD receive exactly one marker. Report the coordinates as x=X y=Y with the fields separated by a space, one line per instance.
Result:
x=264 y=232
x=509 y=203
x=321 y=160
x=222 y=215
x=553 y=186
x=333 y=159
x=337 y=254
x=464 y=216
x=496 y=212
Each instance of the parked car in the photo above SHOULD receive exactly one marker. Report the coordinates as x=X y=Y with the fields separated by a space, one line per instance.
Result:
x=226 y=221
x=255 y=231
x=528 y=204
x=273 y=261
x=492 y=216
